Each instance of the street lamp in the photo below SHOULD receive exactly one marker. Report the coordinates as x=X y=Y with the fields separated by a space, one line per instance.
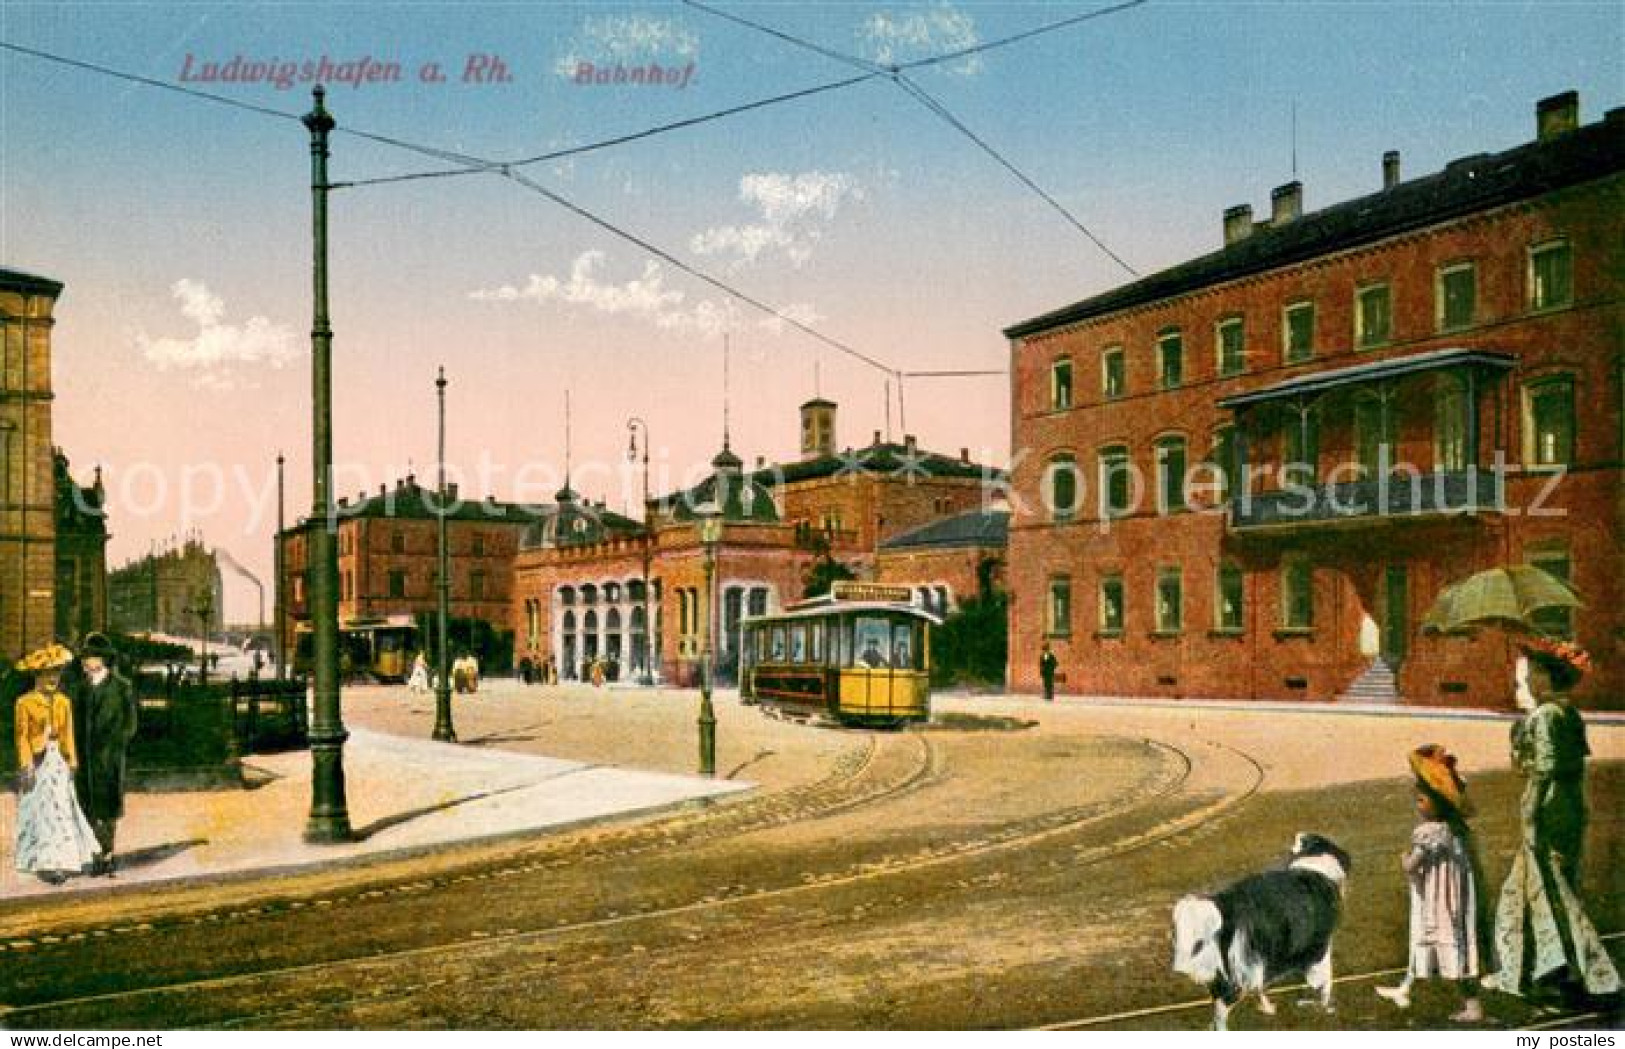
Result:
x=203 y=608
x=281 y=568
x=709 y=520
x=329 y=820
x=633 y=425
x=443 y=731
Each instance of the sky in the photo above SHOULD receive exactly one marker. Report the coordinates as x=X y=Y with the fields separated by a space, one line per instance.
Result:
x=181 y=227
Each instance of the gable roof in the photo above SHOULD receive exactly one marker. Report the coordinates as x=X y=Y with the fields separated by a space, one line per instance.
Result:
x=977 y=528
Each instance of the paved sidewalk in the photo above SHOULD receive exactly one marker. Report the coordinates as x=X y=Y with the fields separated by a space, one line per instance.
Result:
x=405 y=796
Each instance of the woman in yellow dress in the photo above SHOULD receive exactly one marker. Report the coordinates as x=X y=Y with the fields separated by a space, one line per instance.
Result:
x=53 y=838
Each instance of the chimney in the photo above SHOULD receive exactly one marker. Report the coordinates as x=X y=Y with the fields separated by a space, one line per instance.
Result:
x=877 y=437
x=451 y=491
x=383 y=489
x=761 y=462
x=1555 y=115
x=1238 y=223
x=344 y=501
x=1390 y=169
x=1286 y=203
x=964 y=454
x=910 y=445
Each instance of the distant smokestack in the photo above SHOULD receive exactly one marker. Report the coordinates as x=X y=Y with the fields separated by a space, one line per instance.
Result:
x=1286 y=203
x=1556 y=115
x=1238 y=223
x=1390 y=169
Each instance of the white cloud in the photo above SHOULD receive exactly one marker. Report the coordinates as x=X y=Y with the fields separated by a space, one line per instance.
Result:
x=890 y=38
x=792 y=207
x=628 y=39
x=217 y=346
x=643 y=298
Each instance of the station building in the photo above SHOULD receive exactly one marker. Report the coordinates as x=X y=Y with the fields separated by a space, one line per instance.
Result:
x=1249 y=475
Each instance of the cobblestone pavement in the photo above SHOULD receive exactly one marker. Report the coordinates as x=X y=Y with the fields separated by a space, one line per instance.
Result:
x=988 y=875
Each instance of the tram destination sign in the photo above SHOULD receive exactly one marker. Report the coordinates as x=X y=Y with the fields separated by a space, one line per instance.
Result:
x=850 y=591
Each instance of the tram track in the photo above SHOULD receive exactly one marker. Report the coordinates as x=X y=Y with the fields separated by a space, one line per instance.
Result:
x=1173 y=775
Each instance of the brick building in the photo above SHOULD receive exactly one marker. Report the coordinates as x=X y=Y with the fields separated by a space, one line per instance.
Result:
x=53 y=534
x=167 y=591
x=1249 y=475
x=579 y=600
x=388 y=547
x=948 y=560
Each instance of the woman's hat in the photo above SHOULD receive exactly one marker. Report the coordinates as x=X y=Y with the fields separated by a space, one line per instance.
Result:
x=1550 y=650
x=51 y=657
x=1435 y=770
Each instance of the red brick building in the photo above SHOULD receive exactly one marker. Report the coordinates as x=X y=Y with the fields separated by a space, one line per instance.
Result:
x=1249 y=475
x=577 y=600
x=388 y=549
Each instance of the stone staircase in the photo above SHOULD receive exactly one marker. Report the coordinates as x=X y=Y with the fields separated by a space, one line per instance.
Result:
x=1376 y=685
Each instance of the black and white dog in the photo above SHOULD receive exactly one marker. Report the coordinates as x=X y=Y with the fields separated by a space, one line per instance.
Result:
x=1265 y=928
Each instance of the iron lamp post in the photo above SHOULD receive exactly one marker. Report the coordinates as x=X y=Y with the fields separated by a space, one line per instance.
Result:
x=709 y=521
x=443 y=730
x=633 y=425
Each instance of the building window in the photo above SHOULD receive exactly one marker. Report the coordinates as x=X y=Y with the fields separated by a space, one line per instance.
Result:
x=1554 y=622
x=1297 y=594
x=397 y=583
x=1058 y=621
x=1060 y=384
x=1549 y=422
x=1373 y=318
x=1115 y=477
x=1113 y=374
x=1456 y=296
x=1450 y=410
x=1231 y=338
x=1551 y=277
x=1170 y=601
x=476 y=586
x=1170 y=359
x=1298 y=332
x=479 y=546
x=1300 y=447
x=397 y=542
x=1170 y=475
x=1373 y=435
x=1061 y=488
x=1226 y=463
x=1111 y=604
x=1228 y=599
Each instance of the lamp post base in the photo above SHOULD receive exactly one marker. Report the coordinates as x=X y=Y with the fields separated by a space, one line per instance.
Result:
x=708 y=738
x=329 y=821
x=443 y=732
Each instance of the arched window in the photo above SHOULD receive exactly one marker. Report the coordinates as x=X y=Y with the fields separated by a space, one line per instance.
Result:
x=589 y=594
x=1061 y=487
x=1116 y=481
x=567 y=595
x=1170 y=474
x=612 y=593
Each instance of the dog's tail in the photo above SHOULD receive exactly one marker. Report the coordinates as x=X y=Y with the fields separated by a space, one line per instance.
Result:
x=1197 y=923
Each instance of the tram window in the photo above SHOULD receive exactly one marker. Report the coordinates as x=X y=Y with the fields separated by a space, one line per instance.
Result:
x=904 y=651
x=778 y=644
x=815 y=642
x=798 y=643
x=871 y=637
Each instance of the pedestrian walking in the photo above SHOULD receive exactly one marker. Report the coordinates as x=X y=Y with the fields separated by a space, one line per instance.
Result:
x=1545 y=940
x=418 y=681
x=1047 y=663
x=1447 y=930
x=105 y=719
x=54 y=840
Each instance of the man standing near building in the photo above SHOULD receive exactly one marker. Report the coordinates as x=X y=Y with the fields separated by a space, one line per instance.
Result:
x=105 y=710
x=1046 y=671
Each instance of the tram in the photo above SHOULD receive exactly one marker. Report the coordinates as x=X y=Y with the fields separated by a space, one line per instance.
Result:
x=380 y=649
x=859 y=655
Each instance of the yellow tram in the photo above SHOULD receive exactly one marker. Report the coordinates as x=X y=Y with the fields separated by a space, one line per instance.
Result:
x=860 y=655
x=380 y=649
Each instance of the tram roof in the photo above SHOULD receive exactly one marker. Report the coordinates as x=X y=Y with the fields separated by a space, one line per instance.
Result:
x=820 y=607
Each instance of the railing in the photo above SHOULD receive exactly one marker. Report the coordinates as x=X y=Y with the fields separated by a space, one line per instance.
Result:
x=1398 y=495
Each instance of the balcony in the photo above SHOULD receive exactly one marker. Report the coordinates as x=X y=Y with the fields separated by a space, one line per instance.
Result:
x=1397 y=497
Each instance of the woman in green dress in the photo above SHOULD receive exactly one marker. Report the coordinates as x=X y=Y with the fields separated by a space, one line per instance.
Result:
x=1542 y=934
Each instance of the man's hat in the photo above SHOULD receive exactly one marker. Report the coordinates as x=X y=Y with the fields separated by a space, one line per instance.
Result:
x=1436 y=775
x=96 y=645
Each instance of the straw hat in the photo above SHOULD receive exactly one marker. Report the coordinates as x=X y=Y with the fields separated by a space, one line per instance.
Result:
x=1435 y=770
x=51 y=657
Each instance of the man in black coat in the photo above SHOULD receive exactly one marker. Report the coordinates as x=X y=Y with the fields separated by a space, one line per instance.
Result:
x=105 y=719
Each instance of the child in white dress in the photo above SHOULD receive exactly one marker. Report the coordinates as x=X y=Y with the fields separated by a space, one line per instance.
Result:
x=1444 y=940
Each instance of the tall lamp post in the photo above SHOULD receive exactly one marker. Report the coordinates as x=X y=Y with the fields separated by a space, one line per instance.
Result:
x=281 y=609
x=329 y=820
x=443 y=730
x=203 y=608
x=709 y=519
x=635 y=424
